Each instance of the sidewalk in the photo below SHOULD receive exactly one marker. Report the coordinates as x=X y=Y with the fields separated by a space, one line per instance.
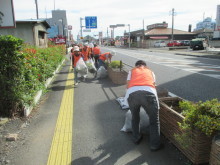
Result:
x=96 y=136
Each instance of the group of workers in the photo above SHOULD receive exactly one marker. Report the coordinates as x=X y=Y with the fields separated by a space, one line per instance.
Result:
x=141 y=92
x=89 y=51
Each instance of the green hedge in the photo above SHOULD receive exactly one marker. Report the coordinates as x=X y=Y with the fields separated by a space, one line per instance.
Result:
x=23 y=71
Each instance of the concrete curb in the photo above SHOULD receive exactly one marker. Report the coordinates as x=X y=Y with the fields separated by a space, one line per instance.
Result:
x=28 y=109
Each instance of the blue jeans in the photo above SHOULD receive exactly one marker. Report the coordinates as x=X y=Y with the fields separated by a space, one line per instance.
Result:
x=102 y=63
x=75 y=75
x=149 y=102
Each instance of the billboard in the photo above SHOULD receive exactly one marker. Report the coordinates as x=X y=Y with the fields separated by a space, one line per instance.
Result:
x=7 y=19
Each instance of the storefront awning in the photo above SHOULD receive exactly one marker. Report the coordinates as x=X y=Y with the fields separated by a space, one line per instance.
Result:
x=159 y=37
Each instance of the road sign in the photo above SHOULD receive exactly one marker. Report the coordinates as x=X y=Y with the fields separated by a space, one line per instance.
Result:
x=112 y=26
x=120 y=25
x=91 y=22
x=86 y=30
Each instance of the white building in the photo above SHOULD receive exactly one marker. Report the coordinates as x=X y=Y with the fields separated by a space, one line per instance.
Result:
x=207 y=23
x=217 y=29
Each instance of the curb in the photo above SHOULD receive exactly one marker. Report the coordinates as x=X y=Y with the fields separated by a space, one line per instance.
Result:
x=197 y=55
x=28 y=109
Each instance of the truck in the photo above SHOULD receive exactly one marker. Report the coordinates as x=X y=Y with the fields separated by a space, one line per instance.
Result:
x=197 y=44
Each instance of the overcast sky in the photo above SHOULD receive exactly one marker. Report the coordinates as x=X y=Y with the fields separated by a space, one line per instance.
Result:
x=113 y=12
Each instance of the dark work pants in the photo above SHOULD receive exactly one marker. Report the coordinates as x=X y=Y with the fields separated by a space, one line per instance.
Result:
x=149 y=102
x=96 y=56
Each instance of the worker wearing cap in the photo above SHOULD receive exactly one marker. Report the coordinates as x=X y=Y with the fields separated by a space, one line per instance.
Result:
x=141 y=92
x=76 y=55
x=105 y=57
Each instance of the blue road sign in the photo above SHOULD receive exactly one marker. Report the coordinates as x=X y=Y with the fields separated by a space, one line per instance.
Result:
x=91 y=22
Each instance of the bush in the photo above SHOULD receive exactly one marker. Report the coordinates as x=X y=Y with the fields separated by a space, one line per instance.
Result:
x=23 y=71
x=204 y=116
x=115 y=64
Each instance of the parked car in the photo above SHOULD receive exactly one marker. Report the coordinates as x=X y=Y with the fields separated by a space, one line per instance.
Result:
x=174 y=43
x=159 y=44
x=186 y=43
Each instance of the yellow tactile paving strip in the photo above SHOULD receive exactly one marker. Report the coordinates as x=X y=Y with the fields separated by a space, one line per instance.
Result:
x=60 y=151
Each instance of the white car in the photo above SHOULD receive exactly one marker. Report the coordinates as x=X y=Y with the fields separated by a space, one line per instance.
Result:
x=159 y=44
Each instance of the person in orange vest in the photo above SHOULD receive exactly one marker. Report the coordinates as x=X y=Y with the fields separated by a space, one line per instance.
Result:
x=105 y=57
x=96 y=53
x=141 y=91
x=86 y=52
x=76 y=55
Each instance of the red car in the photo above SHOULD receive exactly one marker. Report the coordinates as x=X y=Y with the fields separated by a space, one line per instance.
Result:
x=174 y=43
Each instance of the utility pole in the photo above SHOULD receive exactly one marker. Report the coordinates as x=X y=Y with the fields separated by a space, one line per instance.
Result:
x=81 y=34
x=173 y=14
x=36 y=9
x=143 y=35
x=129 y=36
x=107 y=37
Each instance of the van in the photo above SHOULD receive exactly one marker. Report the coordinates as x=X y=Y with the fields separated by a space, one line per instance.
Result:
x=159 y=44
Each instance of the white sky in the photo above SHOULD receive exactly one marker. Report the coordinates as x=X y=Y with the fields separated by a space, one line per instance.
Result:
x=113 y=12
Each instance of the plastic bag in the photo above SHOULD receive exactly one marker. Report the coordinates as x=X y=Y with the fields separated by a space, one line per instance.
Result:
x=102 y=72
x=81 y=67
x=144 y=122
x=121 y=102
x=91 y=66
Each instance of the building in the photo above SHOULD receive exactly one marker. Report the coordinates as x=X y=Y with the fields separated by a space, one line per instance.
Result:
x=206 y=24
x=159 y=31
x=33 y=31
x=216 y=34
x=58 y=24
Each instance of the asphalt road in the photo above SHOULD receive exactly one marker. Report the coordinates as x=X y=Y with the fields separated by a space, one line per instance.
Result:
x=192 y=78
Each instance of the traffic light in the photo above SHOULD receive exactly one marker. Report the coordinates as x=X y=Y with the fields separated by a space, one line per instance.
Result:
x=81 y=38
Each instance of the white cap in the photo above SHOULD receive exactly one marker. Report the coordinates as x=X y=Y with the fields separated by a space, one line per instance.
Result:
x=91 y=45
x=75 y=48
x=86 y=44
x=113 y=53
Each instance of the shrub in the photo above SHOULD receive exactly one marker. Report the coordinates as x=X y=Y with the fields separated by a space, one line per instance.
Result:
x=116 y=64
x=23 y=71
x=204 y=116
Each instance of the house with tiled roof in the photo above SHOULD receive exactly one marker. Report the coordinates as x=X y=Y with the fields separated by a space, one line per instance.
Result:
x=159 y=31
x=32 y=31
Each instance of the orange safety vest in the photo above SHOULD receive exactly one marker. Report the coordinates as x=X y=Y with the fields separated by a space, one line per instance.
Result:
x=96 y=50
x=103 y=56
x=85 y=54
x=141 y=76
x=76 y=59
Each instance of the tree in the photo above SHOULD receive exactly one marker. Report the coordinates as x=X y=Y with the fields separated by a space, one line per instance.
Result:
x=1 y=15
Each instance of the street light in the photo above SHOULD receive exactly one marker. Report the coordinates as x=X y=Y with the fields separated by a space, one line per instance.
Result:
x=129 y=44
x=122 y=25
x=113 y=27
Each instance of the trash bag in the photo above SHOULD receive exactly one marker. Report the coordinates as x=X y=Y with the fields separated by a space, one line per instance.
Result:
x=121 y=102
x=91 y=66
x=144 y=122
x=102 y=72
x=81 y=67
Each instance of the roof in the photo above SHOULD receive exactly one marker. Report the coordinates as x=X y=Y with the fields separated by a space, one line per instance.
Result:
x=167 y=31
x=43 y=21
